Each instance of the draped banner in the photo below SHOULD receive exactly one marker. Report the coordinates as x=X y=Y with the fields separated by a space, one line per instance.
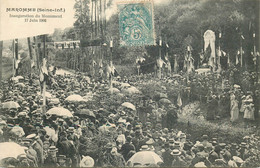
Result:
x=209 y=39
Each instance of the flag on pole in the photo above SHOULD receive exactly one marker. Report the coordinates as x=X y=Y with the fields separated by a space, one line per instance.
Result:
x=43 y=70
x=111 y=43
x=188 y=48
x=175 y=65
x=224 y=53
x=228 y=60
x=237 y=61
x=179 y=101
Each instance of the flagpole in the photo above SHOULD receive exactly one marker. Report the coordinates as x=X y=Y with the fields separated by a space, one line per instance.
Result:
x=13 y=58
x=160 y=57
x=16 y=56
x=219 y=56
x=44 y=82
x=30 y=54
x=241 y=52
x=256 y=59
x=111 y=63
x=1 y=61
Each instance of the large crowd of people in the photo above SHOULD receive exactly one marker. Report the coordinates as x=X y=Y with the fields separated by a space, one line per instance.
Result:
x=105 y=126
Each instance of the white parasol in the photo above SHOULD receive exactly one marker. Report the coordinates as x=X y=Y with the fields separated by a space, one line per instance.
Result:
x=129 y=105
x=144 y=158
x=74 y=98
x=60 y=111
x=10 y=149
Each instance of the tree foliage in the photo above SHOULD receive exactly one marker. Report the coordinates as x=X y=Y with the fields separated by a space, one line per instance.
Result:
x=183 y=22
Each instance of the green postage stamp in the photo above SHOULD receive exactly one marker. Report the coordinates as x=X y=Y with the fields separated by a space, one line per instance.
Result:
x=136 y=25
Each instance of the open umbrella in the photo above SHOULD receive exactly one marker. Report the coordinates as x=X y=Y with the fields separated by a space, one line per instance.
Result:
x=20 y=85
x=60 y=111
x=164 y=101
x=159 y=96
x=144 y=158
x=129 y=105
x=131 y=90
x=125 y=85
x=47 y=94
x=19 y=77
x=10 y=105
x=55 y=100
x=10 y=149
x=74 y=98
x=113 y=90
x=86 y=113
x=202 y=70
x=14 y=79
x=176 y=75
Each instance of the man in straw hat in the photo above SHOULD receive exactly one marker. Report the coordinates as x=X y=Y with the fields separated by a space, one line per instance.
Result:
x=177 y=160
x=51 y=160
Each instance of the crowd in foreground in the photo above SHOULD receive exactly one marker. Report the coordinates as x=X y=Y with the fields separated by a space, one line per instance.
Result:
x=109 y=136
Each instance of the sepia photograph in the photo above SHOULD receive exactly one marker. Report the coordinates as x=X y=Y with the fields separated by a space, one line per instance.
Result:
x=129 y=83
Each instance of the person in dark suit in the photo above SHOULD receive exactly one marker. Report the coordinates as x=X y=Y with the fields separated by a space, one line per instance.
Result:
x=65 y=147
x=127 y=147
x=51 y=160
x=166 y=156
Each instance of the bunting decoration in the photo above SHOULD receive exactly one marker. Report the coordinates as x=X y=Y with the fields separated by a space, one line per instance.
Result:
x=65 y=44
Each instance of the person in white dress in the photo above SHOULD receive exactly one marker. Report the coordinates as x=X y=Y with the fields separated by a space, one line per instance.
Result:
x=234 y=111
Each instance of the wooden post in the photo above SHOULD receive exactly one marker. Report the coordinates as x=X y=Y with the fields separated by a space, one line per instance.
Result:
x=1 y=62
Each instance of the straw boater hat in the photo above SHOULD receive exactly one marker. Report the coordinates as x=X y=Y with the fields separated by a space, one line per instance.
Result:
x=53 y=149
x=144 y=148
x=175 y=152
x=71 y=129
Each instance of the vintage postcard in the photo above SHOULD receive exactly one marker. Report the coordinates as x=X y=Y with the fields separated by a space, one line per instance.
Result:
x=129 y=83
